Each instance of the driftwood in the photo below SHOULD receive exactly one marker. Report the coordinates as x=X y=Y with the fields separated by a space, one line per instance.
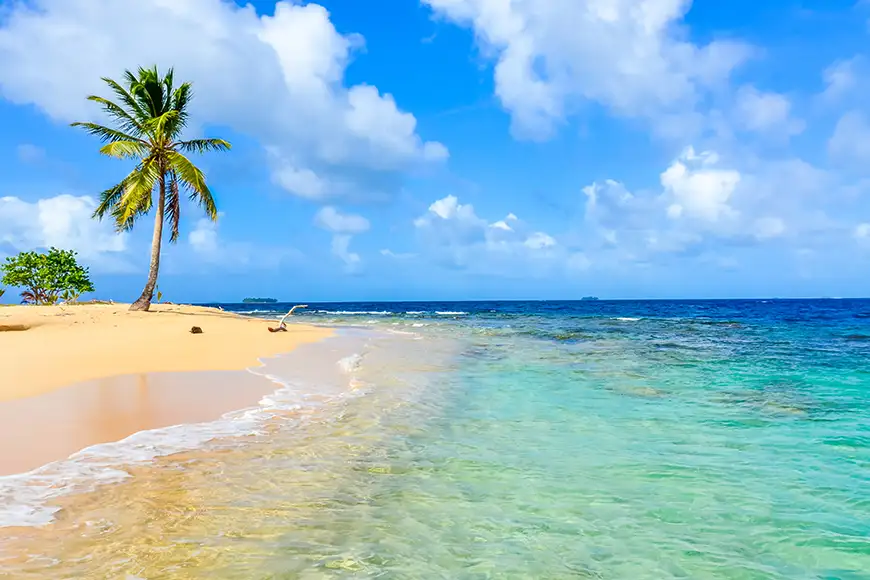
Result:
x=282 y=325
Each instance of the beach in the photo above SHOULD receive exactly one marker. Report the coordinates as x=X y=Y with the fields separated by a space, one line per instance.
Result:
x=78 y=375
x=597 y=439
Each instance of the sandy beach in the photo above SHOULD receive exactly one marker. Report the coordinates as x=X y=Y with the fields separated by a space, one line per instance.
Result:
x=48 y=347
x=74 y=376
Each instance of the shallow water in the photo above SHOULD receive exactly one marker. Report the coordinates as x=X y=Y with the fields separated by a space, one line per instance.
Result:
x=515 y=440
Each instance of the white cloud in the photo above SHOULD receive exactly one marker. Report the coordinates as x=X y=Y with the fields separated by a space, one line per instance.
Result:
x=326 y=140
x=205 y=246
x=704 y=202
x=343 y=227
x=765 y=112
x=862 y=231
x=303 y=182
x=63 y=221
x=628 y=55
x=331 y=219
x=341 y=250
x=696 y=188
x=397 y=255
x=455 y=235
x=204 y=237
x=539 y=241
x=609 y=205
x=851 y=139
x=840 y=78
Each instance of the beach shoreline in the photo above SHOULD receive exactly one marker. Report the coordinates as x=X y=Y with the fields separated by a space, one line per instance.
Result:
x=49 y=347
x=84 y=375
x=36 y=431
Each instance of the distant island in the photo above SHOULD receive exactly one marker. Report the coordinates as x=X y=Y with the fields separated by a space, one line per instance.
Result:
x=259 y=301
x=589 y=298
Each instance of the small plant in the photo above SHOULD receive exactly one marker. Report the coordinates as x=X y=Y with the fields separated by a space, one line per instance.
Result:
x=47 y=276
x=71 y=296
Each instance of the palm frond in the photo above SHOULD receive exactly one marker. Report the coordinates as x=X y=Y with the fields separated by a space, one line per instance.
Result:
x=127 y=97
x=192 y=178
x=127 y=122
x=180 y=99
x=203 y=145
x=161 y=127
x=125 y=149
x=149 y=91
x=137 y=197
x=173 y=207
x=167 y=81
x=109 y=199
x=106 y=134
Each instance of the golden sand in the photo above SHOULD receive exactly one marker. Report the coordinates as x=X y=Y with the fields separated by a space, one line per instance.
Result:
x=123 y=372
x=46 y=347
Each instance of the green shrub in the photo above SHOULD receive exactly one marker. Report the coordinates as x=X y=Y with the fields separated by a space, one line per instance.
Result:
x=46 y=276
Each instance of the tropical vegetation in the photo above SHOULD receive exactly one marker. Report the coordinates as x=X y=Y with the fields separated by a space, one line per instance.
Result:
x=47 y=277
x=148 y=118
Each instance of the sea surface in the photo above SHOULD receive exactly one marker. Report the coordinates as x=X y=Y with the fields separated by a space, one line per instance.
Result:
x=542 y=440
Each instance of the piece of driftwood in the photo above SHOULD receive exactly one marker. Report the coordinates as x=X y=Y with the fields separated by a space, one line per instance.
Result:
x=282 y=325
x=195 y=330
x=14 y=327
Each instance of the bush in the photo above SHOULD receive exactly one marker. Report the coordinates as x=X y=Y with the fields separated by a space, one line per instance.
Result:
x=46 y=277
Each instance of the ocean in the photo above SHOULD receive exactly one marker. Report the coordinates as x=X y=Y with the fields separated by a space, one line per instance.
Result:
x=596 y=439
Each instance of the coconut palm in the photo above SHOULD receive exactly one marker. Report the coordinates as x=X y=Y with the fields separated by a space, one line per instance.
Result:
x=148 y=119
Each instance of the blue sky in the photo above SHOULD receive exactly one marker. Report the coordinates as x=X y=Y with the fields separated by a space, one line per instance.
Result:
x=463 y=149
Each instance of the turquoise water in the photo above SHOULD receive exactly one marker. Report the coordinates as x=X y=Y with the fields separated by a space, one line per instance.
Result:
x=646 y=440
x=734 y=444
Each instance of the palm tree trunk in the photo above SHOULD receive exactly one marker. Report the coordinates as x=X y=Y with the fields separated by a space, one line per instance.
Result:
x=144 y=301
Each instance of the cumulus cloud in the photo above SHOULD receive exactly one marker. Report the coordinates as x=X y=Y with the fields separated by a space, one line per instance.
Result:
x=325 y=139
x=766 y=112
x=697 y=188
x=850 y=142
x=539 y=241
x=343 y=227
x=706 y=202
x=453 y=233
x=63 y=221
x=840 y=78
x=206 y=246
x=627 y=55
x=341 y=250
x=331 y=219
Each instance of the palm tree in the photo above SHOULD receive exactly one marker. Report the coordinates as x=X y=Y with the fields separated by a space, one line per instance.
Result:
x=149 y=117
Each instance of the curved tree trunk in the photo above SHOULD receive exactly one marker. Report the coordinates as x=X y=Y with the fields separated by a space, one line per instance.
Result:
x=144 y=301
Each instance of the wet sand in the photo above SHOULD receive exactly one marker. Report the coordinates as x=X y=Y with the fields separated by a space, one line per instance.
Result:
x=37 y=430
